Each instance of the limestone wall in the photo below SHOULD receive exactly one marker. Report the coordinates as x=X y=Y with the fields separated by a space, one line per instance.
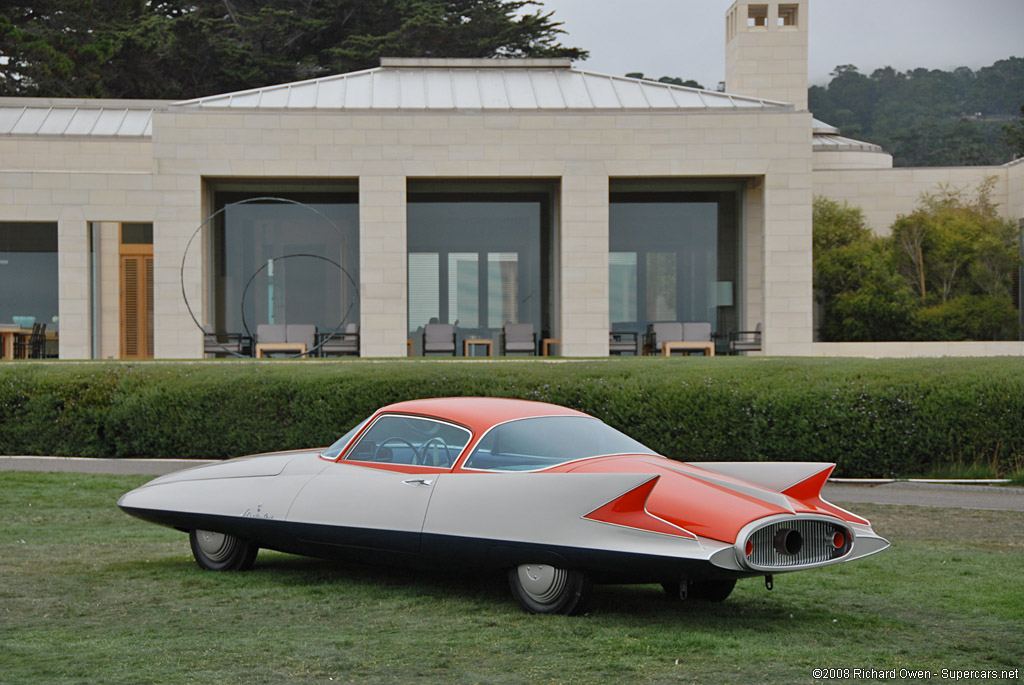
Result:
x=884 y=194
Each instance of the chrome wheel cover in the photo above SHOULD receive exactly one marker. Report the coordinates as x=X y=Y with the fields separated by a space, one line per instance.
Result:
x=216 y=546
x=542 y=583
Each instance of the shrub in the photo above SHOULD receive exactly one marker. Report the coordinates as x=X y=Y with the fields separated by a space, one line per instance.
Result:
x=871 y=417
x=967 y=317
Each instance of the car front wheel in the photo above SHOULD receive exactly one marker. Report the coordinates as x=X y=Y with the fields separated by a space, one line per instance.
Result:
x=544 y=589
x=222 y=552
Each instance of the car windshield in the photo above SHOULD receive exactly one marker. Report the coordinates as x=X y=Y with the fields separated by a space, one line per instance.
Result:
x=416 y=441
x=539 y=443
x=334 y=450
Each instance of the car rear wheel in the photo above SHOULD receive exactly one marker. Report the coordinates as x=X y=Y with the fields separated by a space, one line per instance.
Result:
x=703 y=590
x=544 y=589
x=222 y=552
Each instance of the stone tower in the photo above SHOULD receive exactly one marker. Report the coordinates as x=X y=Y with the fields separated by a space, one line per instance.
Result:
x=766 y=50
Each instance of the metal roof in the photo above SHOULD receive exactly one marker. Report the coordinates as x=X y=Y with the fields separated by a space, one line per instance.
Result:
x=398 y=84
x=826 y=138
x=819 y=126
x=831 y=143
x=481 y=84
x=74 y=118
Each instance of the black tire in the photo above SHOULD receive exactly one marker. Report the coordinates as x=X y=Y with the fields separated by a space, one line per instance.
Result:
x=222 y=552
x=702 y=590
x=545 y=589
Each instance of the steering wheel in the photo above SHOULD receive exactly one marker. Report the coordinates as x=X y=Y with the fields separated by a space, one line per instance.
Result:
x=400 y=440
x=423 y=452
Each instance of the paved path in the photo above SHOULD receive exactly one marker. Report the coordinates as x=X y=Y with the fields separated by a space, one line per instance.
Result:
x=929 y=495
x=917 y=494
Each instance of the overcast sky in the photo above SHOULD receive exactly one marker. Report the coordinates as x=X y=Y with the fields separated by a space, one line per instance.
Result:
x=686 y=38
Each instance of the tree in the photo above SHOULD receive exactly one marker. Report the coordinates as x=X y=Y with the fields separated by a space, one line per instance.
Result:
x=927 y=117
x=1013 y=136
x=178 y=49
x=672 y=80
x=944 y=273
x=955 y=244
x=861 y=296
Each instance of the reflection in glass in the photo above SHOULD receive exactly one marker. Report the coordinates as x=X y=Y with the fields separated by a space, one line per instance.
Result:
x=502 y=288
x=285 y=263
x=463 y=289
x=424 y=303
x=661 y=286
x=668 y=250
x=483 y=254
x=622 y=286
x=28 y=272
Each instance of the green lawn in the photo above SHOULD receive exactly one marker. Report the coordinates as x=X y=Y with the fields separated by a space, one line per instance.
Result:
x=88 y=594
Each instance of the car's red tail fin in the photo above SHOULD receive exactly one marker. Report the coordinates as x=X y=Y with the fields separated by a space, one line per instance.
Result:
x=809 y=491
x=630 y=511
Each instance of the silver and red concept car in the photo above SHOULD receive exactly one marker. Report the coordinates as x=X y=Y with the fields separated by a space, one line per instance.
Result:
x=555 y=497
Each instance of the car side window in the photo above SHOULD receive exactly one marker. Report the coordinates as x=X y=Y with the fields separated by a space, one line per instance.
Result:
x=538 y=443
x=397 y=439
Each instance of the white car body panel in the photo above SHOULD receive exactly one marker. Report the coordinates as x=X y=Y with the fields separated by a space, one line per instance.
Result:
x=349 y=494
x=546 y=509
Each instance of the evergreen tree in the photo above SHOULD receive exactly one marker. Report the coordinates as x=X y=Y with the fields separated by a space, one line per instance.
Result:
x=1013 y=136
x=926 y=117
x=176 y=49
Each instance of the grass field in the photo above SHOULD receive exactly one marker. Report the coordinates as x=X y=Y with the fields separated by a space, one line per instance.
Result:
x=88 y=594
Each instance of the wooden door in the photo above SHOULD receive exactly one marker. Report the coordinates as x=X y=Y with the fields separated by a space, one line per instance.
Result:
x=136 y=301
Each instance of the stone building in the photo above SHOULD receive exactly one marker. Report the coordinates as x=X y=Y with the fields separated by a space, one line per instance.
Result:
x=473 y=192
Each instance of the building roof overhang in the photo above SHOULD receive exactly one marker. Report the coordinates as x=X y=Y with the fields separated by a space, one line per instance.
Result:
x=78 y=117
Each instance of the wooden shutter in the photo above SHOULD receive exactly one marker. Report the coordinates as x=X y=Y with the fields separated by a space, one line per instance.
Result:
x=136 y=306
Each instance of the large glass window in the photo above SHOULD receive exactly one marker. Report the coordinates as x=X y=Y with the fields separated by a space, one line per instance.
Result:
x=289 y=261
x=480 y=257
x=28 y=273
x=673 y=255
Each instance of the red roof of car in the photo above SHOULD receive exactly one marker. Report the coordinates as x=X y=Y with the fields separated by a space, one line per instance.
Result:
x=479 y=413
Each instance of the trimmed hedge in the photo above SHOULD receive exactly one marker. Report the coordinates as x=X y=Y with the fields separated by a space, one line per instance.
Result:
x=871 y=417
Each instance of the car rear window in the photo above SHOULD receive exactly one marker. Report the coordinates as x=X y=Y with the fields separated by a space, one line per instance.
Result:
x=543 y=442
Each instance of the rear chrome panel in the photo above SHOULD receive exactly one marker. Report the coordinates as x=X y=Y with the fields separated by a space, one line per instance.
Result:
x=816 y=535
x=816 y=546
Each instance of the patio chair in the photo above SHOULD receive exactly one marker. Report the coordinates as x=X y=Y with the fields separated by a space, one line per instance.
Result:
x=439 y=338
x=51 y=347
x=301 y=333
x=224 y=344
x=518 y=337
x=696 y=331
x=339 y=343
x=271 y=333
x=660 y=333
x=745 y=341
x=33 y=345
x=623 y=342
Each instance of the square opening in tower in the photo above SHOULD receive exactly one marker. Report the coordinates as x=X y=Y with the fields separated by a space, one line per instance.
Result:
x=757 y=15
x=788 y=15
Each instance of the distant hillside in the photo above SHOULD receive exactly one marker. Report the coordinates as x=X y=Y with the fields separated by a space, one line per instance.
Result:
x=926 y=117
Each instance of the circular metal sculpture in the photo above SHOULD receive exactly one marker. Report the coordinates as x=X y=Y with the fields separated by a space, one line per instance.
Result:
x=252 y=277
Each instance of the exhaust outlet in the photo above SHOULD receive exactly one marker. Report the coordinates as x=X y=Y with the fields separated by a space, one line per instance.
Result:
x=788 y=541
